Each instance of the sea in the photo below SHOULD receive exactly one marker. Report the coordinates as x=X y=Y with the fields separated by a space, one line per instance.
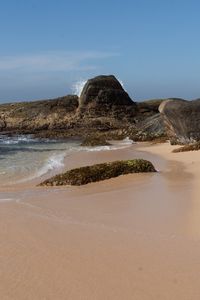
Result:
x=24 y=158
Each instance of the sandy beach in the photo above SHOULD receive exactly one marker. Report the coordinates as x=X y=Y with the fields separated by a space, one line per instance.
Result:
x=132 y=237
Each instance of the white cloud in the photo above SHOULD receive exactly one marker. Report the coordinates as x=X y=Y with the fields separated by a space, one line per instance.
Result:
x=53 y=61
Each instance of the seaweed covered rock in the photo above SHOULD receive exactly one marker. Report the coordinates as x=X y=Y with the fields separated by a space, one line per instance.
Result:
x=186 y=148
x=98 y=172
x=93 y=141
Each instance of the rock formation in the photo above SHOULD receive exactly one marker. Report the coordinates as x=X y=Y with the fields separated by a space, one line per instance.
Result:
x=103 y=96
x=186 y=148
x=105 y=90
x=98 y=172
x=103 y=109
x=93 y=141
x=38 y=115
x=182 y=120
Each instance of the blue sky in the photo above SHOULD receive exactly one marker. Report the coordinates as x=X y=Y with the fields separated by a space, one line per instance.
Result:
x=153 y=46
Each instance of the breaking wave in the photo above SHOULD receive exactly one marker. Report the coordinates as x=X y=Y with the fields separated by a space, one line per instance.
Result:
x=13 y=140
x=56 y=161
x=78 y=87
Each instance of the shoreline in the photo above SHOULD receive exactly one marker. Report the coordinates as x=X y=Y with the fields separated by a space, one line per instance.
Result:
x=86 y=156
x=134 y=236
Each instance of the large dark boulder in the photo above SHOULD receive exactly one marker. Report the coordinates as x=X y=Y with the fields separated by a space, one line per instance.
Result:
x=104 y=100
x=104 y=93
x=182 y=120
x=104 y=90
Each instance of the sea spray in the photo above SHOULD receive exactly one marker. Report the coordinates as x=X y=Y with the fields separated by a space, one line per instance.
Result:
x=78 y=87
x=56 y=161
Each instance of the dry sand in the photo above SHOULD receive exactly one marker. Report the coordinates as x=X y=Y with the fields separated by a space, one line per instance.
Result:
x=132 y=237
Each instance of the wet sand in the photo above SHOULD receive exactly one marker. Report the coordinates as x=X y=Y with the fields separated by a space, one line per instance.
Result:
x=132 y=237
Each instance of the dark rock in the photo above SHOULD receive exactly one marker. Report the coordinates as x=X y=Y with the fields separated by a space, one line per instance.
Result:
x=104 y=96
x=98 y=172
x=186 y=148
x=182 y=120
x=104 y=89
x=149 y=107
x=104 y=107
x=93 y=141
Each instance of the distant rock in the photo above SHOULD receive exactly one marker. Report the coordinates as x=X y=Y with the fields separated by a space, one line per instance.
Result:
x=182 y=120
x=38 y=115
x=186 y=148
x=94 y=140
x=98 y=172
x=104 y=90
x=104 y=108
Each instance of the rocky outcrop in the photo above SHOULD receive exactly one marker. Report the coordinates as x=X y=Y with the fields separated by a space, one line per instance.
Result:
x=105 y=90
x=38 y=115
x=182 y=120
x=103 y=96
x=103 y=109
x=85 y=175
x=186 y=148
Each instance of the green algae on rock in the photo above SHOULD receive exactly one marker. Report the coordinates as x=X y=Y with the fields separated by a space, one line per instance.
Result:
x=191 y=147
x=99 y=172
x=93 y=141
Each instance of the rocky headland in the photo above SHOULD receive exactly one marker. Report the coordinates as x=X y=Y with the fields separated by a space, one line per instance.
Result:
x=103 y=109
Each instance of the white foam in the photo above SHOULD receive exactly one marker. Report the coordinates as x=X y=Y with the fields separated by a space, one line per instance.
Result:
x=56 y=161
x=127 y=141
x=99 y=148
x=108 y=148
x=16 y=140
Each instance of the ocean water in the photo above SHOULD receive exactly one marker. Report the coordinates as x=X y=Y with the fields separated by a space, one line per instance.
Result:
x=23 y=158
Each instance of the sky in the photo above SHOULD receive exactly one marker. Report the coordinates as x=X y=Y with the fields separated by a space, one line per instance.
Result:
x=47 y=46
